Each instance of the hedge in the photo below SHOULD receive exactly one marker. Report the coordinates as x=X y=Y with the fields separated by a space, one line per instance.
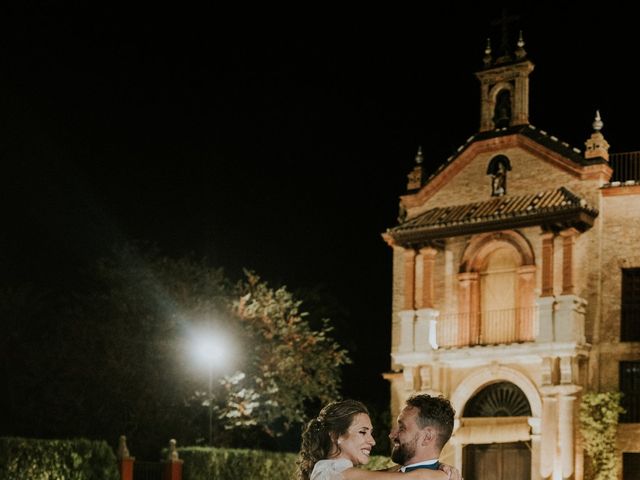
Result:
x=35 y=459
x=204 y=463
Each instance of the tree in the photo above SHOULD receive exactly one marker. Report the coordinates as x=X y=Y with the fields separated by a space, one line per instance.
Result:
x=114 y=357
x=291 y=364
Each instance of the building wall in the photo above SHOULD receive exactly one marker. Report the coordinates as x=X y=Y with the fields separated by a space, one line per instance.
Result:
x=621 y=249
x=472 y=184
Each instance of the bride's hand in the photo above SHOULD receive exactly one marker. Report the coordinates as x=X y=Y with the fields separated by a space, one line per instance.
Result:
x=453 y=472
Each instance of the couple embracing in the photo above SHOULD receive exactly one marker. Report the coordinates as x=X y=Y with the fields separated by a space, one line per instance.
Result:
x=340 y=439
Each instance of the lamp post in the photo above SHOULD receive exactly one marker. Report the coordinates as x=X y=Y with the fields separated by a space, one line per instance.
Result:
x=211 y=403
x=211 y=350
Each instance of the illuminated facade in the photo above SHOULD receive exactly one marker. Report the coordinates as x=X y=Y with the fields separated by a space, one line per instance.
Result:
x=516 y=287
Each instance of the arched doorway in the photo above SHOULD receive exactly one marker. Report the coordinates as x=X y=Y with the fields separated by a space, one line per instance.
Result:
x=497 y=458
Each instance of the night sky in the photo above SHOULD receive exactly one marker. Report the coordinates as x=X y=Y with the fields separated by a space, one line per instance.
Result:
x=276 y=145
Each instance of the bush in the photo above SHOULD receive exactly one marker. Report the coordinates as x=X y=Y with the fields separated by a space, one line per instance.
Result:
x=203 y=463
x=599 y=423
x=80 y=459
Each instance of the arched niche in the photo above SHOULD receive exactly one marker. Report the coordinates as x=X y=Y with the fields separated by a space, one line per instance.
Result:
x=475 y=382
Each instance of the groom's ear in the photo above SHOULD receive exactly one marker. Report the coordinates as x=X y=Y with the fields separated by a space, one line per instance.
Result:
x=429 y=435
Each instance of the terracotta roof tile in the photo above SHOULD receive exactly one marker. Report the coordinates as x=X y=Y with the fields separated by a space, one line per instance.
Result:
x=523 y=210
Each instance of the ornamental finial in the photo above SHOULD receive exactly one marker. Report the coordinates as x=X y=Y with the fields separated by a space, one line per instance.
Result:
x=419 y=157
x=597 y=123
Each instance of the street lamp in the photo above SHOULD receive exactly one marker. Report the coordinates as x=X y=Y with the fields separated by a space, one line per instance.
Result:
x=213 y=351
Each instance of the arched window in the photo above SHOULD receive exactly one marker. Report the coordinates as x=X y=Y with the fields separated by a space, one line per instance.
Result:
x=498 y=290
x=501 y=399
x=496 y=298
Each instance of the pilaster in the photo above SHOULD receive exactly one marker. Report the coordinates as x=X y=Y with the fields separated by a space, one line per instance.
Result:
x=547 y=264
x=566 y=434
x=558 y=431
x=549 y=435
x=535 y=447
x=568 y=241
x=468 y=308
x=428 y=256
x=409 y=278
x=525 y=297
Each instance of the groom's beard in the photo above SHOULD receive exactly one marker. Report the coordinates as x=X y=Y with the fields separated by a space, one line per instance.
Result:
x=404 y=451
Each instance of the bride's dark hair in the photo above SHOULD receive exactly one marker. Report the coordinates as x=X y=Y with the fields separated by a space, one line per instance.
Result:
x=321 y=433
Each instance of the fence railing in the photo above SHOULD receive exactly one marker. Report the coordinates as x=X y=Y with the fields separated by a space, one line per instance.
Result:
x=147 y=470
x=626 y=166
x=487 y=327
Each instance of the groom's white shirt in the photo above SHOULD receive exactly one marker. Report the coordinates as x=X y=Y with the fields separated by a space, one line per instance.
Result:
x=426 y=462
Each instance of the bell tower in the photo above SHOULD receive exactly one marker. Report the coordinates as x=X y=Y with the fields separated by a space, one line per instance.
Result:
x=504 y=87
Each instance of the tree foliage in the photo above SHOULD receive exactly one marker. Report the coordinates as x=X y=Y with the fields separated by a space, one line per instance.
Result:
x=290 y=364
x=115 y=357
x=599 y=414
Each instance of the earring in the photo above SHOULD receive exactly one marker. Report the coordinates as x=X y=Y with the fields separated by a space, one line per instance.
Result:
x=339 y=442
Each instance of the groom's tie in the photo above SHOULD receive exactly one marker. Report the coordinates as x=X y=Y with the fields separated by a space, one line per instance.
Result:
x=433 y=466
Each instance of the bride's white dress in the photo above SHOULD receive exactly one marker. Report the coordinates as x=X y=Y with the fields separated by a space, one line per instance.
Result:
x=330 y=469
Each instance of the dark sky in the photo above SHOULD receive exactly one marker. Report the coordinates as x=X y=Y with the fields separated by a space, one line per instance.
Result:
x=278 y=142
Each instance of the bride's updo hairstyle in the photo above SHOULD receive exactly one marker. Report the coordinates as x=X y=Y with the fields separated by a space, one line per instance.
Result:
x=321 y=434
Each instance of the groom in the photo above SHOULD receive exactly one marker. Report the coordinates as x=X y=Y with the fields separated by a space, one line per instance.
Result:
x=423 y=427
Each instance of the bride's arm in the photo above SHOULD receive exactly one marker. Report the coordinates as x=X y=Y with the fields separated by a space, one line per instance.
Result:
x=420 y=474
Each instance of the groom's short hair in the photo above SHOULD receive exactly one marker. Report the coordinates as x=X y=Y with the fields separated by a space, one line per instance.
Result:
x=434 y=412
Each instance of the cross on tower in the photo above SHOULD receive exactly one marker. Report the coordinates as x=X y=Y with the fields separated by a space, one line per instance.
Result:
x=504 y=22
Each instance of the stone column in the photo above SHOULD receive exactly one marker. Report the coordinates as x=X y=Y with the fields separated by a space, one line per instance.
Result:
x=547 y=264
x=172 y=465
x=125 y=461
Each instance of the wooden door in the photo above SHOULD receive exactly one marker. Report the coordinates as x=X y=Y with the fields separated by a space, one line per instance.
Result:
x=497 y=461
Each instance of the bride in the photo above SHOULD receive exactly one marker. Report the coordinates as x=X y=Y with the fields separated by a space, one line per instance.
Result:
x=340 y=439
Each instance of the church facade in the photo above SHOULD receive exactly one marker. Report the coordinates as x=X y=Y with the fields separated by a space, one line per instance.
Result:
x=516 y=288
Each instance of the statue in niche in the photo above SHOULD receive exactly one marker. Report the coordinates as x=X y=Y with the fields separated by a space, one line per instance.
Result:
x=502 y=112
x=498 y=168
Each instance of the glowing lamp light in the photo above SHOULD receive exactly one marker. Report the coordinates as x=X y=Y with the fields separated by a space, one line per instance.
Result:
x=211 y=349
